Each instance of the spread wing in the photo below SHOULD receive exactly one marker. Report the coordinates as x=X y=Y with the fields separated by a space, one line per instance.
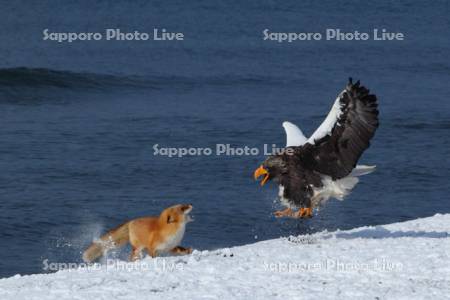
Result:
x=328 y=124
x=338 y=143
x=294 y=136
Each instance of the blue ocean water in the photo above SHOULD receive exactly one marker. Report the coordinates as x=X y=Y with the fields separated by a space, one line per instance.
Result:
x=78 y=120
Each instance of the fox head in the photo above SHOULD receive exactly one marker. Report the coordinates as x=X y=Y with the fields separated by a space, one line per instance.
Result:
x=176 y=214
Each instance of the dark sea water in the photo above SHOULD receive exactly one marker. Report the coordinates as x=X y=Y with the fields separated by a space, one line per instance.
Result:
x=78 y=121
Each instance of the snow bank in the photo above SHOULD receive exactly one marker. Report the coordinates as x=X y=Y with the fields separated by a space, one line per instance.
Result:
x=397 y=261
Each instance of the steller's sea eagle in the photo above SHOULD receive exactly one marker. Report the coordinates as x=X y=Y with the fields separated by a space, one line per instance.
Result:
x=309 y=171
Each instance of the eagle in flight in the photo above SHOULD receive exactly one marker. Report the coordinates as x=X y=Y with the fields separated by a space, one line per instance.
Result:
x=309 y=171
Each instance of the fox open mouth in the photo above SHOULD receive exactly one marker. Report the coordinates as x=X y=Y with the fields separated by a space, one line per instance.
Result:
x=189 y=218
x=261 y=172
x=187 y=214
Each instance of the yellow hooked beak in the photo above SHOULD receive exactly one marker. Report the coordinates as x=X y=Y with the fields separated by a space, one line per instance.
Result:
x=260 y=172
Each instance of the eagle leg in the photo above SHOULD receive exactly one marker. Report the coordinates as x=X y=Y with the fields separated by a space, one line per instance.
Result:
x=304 y=212
x=283 y=213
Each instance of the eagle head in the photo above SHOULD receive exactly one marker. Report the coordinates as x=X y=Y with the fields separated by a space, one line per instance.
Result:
x=272 y=167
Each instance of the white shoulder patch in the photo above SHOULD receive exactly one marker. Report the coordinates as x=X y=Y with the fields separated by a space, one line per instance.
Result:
x=294 y=136
x=328 y=124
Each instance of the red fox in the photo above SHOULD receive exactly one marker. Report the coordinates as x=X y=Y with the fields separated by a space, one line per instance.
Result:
x=157 y=235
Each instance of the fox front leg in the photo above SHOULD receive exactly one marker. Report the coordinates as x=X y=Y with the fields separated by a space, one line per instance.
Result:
x=181 y=250
x=135 y=254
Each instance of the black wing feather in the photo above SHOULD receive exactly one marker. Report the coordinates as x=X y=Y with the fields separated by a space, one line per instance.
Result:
x=336 y=154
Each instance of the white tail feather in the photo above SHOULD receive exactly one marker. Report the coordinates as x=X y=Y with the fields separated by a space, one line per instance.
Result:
x=339 y=188
x=333 y=189
x=345 y=186
x=362 y=170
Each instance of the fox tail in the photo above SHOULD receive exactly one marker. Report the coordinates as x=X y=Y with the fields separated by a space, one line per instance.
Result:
x=115 y=238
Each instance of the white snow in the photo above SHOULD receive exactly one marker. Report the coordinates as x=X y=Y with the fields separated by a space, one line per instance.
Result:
x=409 y=260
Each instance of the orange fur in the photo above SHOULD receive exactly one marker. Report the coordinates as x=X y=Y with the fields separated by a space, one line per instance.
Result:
x=156 y=235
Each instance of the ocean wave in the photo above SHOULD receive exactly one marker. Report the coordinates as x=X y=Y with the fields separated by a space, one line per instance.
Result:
x=36 y=77
x=42 y=77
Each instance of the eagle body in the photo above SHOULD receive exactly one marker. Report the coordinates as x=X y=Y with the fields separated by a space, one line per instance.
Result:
x=309 y=171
